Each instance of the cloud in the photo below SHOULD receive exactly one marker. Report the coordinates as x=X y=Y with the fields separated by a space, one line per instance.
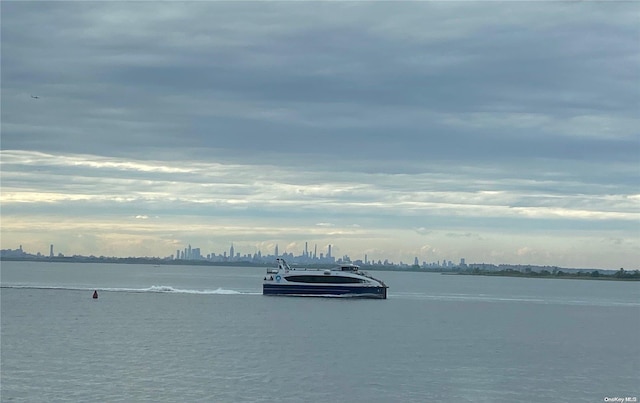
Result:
x=268 y=121
x=423 y=231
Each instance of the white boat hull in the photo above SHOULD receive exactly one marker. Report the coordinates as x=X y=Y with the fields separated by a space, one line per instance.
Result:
x=342 y=281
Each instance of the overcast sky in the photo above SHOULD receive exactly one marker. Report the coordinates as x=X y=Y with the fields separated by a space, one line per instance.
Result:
x=499 y=132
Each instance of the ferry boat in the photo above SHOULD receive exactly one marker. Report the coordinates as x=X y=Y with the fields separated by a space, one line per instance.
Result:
x=344 y=281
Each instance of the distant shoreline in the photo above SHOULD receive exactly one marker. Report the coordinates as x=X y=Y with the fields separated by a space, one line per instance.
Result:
x=617 y=276
x=193 y=262
x=131 y=260
x=572 y=274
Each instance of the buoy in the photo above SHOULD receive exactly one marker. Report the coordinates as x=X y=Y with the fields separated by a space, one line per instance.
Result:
x=95 y=294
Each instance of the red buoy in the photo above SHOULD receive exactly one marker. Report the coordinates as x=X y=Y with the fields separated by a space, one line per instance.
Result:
x=95 y=294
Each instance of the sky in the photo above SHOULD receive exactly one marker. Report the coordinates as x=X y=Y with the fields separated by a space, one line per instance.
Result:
x=497 y=132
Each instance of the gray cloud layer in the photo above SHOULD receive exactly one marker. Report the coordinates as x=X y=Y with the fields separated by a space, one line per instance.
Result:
x=483 y=115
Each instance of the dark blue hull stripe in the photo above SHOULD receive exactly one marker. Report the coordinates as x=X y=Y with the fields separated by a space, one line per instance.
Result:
x=369 y=292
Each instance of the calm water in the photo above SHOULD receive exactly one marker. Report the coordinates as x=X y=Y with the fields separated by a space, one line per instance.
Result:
x=188 y=334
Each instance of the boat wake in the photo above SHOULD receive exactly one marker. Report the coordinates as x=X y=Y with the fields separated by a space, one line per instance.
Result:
x=164 y=288
x=152 y=289
x=474 y=298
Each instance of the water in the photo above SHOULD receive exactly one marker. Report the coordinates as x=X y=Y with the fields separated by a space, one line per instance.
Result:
x=206 y=334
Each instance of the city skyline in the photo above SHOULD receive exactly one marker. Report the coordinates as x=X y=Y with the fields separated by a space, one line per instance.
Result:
x=501 y=132
x=194 y=254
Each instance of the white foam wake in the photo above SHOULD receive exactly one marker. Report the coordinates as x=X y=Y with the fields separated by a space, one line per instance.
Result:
x=165 y=288
x=153 y=289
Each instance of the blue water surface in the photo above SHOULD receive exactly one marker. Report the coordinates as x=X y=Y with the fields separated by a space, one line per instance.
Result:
x=206 y=334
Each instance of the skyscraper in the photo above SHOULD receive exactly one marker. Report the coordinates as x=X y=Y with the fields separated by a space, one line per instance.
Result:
x=50 y=250
x=231 y=253
x=276 y=250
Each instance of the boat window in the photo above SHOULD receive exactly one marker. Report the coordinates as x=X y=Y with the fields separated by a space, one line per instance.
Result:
x=324 y=279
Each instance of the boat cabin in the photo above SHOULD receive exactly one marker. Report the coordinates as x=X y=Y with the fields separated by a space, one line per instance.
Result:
x=349 y=267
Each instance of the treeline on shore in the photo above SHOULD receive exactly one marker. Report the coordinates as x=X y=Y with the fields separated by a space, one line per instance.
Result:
x=621 y=274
